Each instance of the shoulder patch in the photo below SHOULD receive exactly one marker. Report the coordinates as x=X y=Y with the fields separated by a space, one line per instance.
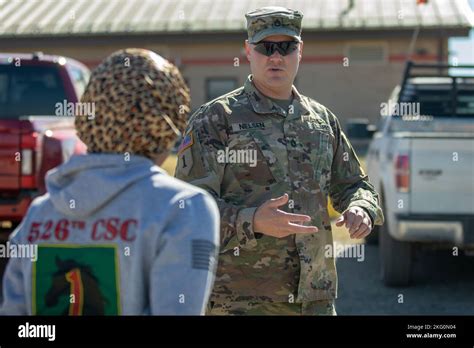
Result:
x=187 y=142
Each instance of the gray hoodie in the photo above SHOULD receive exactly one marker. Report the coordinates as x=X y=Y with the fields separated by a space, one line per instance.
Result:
x=113 y=237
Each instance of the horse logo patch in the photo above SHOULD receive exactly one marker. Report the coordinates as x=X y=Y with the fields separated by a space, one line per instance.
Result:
x=76 y=280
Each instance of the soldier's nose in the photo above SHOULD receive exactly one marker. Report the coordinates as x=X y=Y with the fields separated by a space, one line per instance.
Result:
x=276 y=56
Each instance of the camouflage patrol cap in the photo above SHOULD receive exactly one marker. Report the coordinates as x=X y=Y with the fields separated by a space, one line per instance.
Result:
x=273 y=20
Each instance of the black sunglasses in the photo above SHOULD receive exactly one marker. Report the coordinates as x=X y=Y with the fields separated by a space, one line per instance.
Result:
x=267 y=48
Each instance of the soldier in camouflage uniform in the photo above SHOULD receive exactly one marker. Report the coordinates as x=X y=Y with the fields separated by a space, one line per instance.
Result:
x=271 y=157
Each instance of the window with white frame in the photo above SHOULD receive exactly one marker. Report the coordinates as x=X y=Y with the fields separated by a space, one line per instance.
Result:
x=366 y=53
x=217 y=86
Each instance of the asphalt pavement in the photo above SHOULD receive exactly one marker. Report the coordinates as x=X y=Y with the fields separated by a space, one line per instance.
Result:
x=443 y=284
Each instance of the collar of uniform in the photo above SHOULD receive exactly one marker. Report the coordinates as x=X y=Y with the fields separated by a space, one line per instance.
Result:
x=264 y=105
x=300 y=107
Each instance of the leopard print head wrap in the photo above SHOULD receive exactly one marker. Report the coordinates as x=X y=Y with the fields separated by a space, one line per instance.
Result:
x=141 y=105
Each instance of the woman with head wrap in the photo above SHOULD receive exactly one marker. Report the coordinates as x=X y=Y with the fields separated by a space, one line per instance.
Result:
x=115 y=233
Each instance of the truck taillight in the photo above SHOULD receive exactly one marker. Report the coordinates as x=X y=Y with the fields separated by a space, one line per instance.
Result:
x=402 y=173
x=28 y=150
x=26 y=162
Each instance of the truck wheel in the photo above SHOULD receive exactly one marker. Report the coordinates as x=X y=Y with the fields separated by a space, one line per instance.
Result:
x=395 y=258
x=373 y=237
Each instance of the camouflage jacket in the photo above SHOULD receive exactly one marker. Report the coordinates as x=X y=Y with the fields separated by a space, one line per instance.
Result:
x=245 y=149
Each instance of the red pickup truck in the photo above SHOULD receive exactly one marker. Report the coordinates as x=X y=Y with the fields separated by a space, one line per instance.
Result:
x=33 y=137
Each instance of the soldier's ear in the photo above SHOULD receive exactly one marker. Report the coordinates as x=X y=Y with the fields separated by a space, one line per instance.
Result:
x=301 y=50
x=247 y=49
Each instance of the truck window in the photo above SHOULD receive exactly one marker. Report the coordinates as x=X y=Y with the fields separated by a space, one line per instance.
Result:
x=442 y=100
x=29 y=90
x=79 y=80
x=446 y=103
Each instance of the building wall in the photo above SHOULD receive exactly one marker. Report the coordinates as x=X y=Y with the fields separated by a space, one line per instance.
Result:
x=353 y=91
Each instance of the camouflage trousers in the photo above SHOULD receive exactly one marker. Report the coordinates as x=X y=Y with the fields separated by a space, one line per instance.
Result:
x=323 y=307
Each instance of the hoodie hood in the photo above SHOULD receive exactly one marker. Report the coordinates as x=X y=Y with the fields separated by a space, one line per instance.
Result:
x=86 y=183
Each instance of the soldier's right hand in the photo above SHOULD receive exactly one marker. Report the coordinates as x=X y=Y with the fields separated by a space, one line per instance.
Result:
x=270 y=220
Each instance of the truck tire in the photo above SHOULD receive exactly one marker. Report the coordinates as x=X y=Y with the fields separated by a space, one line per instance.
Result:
x=373 y=237
x=396 y=258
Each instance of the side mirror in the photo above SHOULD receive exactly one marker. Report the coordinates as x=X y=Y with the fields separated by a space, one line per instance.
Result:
x=371 y=130
x=360 y=129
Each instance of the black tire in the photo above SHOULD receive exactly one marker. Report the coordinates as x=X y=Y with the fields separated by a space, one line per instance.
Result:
x=373 y=237
x=396 y=258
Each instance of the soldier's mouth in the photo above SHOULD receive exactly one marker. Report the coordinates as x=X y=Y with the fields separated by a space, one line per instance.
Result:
x=275 y=69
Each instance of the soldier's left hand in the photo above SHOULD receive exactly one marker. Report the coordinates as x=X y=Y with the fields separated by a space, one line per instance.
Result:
x=357 y=221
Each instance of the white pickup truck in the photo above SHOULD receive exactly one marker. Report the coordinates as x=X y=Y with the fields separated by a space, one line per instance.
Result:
x=421 y=161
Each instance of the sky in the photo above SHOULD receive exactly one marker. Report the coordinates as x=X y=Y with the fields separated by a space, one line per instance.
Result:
x=463 y=48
